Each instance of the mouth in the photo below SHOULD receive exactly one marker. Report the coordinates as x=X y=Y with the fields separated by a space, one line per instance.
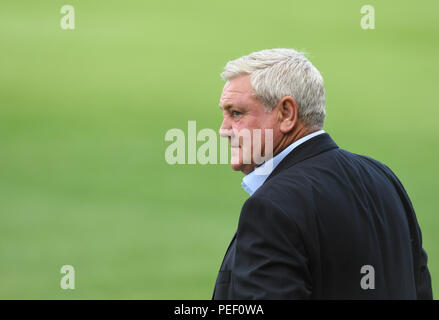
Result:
x=234 y=143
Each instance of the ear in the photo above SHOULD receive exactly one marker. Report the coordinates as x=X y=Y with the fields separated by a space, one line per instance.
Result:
x=287 y=114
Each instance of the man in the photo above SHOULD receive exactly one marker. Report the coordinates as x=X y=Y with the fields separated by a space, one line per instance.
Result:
x=320 y=222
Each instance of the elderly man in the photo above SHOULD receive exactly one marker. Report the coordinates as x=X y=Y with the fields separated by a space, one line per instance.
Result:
x=320 y=222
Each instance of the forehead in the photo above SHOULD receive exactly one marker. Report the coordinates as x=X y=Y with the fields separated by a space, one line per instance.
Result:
x=237 y=91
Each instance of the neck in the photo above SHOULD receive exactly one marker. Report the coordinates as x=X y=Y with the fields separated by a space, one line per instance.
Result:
x=291 y=137
x=285 y=141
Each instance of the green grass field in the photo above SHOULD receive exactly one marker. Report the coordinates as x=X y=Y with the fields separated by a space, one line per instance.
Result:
x=84 y=112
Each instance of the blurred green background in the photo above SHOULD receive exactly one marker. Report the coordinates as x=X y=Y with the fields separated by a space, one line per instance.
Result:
x=84 y=112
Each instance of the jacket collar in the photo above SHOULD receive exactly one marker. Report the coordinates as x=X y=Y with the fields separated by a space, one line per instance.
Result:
x=311 y=148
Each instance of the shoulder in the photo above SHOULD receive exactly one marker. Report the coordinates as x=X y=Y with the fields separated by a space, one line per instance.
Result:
x=372 y=167
x=298 y=190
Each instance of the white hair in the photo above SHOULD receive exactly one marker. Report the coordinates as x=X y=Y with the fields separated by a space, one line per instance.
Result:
x=276 y=73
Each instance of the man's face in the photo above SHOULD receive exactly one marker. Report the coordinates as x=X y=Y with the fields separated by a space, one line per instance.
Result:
x=243 y=110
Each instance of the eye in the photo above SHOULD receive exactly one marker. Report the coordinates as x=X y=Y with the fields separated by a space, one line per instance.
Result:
x=236 y=113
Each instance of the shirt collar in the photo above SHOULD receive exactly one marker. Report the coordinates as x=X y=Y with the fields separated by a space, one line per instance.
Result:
x=255 y=179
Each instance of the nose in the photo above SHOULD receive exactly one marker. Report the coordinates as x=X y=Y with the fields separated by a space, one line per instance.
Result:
x=225 y=129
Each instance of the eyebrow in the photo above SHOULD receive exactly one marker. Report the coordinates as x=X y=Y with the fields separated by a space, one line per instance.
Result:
x=226 y=107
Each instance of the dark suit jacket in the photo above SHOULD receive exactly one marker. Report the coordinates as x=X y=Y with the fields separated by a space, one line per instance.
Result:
x=322 y=215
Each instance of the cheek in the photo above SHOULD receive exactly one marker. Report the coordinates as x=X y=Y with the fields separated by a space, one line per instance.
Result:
x=238 y=125
x=247 y=124
x=269 y=136
x=264 y=124
x=238 y=128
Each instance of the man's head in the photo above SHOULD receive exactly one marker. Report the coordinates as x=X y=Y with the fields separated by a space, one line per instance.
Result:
x=278 y=90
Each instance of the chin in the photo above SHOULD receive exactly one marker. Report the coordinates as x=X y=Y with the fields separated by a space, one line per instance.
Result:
x=237 y=166
x=237 y=162
x=244 y=168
